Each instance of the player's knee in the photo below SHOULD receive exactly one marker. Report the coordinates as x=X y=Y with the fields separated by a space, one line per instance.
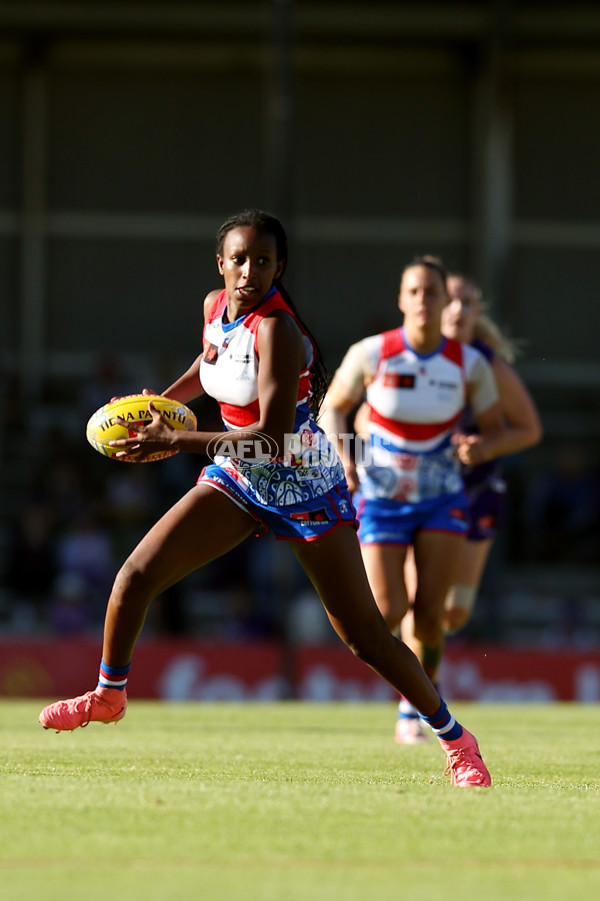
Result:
x=393 y=623
x=355 y=647
x=359 y=647
x=366 y=643
x=454 y=620
x=458 y=607
x=130 y=582
x=428 y=625
x=392 y=613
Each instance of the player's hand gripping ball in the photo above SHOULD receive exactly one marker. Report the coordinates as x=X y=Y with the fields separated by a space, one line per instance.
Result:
x=103 y=427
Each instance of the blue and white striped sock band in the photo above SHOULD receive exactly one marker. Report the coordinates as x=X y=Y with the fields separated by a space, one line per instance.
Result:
x=113 y=676
x=443 y=724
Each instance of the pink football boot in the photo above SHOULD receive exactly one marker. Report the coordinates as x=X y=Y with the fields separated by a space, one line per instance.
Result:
x=102 y=705
x=465 y=765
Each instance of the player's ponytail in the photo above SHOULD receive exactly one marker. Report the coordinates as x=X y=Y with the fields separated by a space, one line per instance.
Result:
x=319 y=376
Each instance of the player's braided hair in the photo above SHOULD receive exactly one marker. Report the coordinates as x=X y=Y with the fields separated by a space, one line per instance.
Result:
x=264 y=222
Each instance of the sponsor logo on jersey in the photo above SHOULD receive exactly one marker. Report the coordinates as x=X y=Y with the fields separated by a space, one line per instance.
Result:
x=308 y=472
x=448 y=386
x=310 y=517
x=399 y=379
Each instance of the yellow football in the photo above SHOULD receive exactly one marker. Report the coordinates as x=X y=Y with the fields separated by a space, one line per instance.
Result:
x=102 y=426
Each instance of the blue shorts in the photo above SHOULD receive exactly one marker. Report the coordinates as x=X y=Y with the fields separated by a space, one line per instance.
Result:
x=394 y=522
x=291 y=522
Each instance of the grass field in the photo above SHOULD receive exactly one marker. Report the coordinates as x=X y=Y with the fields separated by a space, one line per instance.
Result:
x=297 y=802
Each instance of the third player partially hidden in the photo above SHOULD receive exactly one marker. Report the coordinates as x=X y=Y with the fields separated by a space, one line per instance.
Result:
x=466 y=320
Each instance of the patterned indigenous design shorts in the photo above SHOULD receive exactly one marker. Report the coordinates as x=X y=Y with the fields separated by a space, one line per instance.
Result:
x=305 y=521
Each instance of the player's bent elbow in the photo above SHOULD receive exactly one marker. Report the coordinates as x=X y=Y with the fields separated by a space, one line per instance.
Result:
x=531 y=436
x=537 y=434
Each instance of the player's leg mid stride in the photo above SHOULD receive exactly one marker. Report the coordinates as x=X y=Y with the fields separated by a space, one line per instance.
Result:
x=107 y=703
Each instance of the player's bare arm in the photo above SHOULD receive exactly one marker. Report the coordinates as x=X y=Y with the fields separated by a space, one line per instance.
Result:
x=281 y=359
x=518 y=409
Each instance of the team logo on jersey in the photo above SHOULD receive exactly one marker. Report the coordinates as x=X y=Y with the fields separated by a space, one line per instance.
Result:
x=399 y=380
x=211 y=353
x=406 y=462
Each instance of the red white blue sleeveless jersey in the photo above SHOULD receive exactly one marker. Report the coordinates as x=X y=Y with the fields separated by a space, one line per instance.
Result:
x=229 y=366
x=415 y=401
x=308 y=483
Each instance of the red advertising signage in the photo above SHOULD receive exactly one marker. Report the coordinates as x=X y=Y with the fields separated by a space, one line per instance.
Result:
x=198 y=671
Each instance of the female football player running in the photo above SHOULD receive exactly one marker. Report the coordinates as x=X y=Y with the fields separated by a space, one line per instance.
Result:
x=417 y=384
